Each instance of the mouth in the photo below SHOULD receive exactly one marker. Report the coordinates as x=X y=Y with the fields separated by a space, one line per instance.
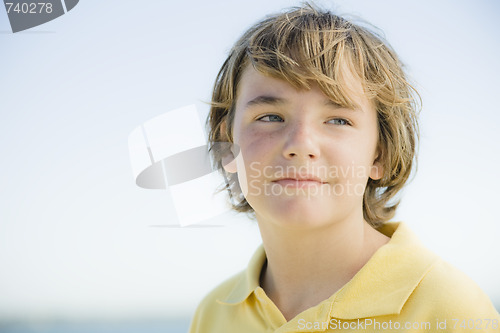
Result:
x=299 y=181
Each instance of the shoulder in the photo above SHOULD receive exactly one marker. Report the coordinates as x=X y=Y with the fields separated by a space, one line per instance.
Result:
x=221 y=306
x=213 y=309
x=433 y=287
x=447 y=292
x=222 y=292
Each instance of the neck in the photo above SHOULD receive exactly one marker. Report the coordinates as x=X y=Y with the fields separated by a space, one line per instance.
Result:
x=306 y=267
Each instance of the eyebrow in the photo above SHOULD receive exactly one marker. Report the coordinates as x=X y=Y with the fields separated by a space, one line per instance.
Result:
x=265 y=100
x=272 y=100
x=331 y=103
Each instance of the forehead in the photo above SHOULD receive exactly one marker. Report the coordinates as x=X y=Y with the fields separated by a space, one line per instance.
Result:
x=253 y=83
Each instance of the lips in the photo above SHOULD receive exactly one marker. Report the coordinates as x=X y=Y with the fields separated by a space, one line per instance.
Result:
x=299 y=181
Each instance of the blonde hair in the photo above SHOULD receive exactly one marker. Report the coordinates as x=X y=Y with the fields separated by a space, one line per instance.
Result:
x=307 y=45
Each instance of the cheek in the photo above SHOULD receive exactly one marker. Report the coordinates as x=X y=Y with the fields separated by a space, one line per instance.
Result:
x=256 y=146
x=351 y=159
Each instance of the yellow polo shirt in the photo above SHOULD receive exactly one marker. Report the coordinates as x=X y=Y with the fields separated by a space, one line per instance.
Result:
x=403 y=288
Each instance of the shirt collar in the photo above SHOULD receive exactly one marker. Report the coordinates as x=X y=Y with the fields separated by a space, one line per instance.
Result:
x=381 y=287
x=384 y=284
x=249 y=281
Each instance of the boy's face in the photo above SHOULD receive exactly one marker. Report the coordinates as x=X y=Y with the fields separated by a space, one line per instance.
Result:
x=304 y=160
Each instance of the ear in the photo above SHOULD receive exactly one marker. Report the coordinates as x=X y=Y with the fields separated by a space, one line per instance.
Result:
x=228 y=160
x=377 y=169
x=229 y=163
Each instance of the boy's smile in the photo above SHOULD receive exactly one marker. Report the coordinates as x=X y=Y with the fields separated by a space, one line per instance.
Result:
x=305 y=160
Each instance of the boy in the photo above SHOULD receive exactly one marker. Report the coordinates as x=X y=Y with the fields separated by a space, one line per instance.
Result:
x=323 y=128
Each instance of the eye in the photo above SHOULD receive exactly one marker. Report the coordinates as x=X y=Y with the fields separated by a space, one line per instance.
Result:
x=339 y=121
x=271 y=118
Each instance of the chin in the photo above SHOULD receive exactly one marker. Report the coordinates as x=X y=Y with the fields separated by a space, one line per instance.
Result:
x=300 y=212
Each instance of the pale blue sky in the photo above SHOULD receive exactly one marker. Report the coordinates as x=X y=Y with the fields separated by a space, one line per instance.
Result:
x=76 y=235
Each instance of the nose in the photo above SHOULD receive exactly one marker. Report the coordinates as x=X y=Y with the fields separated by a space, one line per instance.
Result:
x=301 y=142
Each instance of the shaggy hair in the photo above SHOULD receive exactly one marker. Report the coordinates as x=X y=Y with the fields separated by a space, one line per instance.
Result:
x=306 y=45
